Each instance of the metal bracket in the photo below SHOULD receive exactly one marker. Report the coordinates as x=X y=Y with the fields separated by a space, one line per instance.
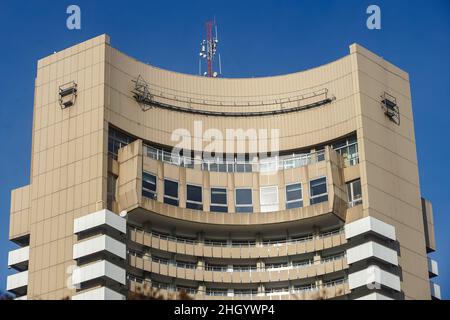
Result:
x=390 y=107
x=141 y=93
x=67 y=94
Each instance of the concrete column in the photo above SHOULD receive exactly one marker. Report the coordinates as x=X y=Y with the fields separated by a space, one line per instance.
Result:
x=261 y=290
x=201 y=289
x=258 y=239
x=316 y=259
x=260 y=264
x=201 y=264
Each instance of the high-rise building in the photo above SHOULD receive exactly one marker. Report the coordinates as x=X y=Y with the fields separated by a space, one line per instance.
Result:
x=334 y=211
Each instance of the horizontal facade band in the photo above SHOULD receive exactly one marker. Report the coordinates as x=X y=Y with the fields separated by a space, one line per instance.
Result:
x=323 y=215
x=18 y=256
x=96 y=270
x=245 y=251
x=373 y=277
x=435 y=290
x=100 y=218
x=433 y=269
x=369 y=250
x=251 y=276
x=102 y=243
x=312 y=293
x=369 y=225
x=101 y=293
x=374 y=296
x=17 y=281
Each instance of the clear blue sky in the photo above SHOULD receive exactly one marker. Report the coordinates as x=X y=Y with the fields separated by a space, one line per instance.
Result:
x=257 y=38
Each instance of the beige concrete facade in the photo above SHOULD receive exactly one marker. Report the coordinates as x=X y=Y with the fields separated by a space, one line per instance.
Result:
x=75 y=173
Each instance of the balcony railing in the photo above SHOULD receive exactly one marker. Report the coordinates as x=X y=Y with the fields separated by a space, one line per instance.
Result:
x=336 y=257
x=304 y=288
x=349 y=153
x=162 y=286
x=240 y=244
x=244 y=293
x=240 y=268
x=235 y=165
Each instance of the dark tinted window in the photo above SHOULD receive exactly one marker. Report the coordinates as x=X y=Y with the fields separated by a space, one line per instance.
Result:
x=171 y=192
x=318 y=190
x=148 y=185
x=219 y=200
x=294 y=197
x=194 y=197
x=244 y=200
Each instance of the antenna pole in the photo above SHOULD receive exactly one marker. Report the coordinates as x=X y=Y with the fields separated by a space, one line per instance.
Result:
x=208 y=47
x=209 y=40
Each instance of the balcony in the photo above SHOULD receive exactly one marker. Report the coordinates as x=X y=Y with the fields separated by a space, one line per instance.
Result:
x=98 y=270
x=101 y=293
x=428 y=224
x=435 y=290
x=433 y=270
x=18 y=259
x=328 y=290
x=238 y=250
x=372 y=250
x=330 y=212
x=369 y=225
x=294 y=160
x=228 y=275
x=17 y=283
x=99 y=244
x=102 y=218
x=373 y=277
x=374 y=296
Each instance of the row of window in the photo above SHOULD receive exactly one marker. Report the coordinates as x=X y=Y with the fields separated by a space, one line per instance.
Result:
x=243 y=196
x=354 y=193
x=347 y=147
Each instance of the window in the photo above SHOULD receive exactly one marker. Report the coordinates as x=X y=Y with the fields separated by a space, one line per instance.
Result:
x=354 y=193
x=243 y=200
x=194 y=197
x=269 y=199
x=116 y=140
x=219 y=200
x=348 y=148
x=171 y=192
x=320 y=153
x=148 y=185
x=318 y=190
x=294 y=197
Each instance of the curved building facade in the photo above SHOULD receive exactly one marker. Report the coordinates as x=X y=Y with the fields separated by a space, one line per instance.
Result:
x=150 y=182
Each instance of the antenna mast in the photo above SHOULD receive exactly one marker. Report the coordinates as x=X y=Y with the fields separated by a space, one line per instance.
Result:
x=208 y=48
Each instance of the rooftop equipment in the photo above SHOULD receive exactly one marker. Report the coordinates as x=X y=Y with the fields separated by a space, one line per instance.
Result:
x=67 y=94
x=390 y=107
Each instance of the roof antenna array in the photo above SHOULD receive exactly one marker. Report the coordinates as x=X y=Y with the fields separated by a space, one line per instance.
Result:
x=208 y=50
